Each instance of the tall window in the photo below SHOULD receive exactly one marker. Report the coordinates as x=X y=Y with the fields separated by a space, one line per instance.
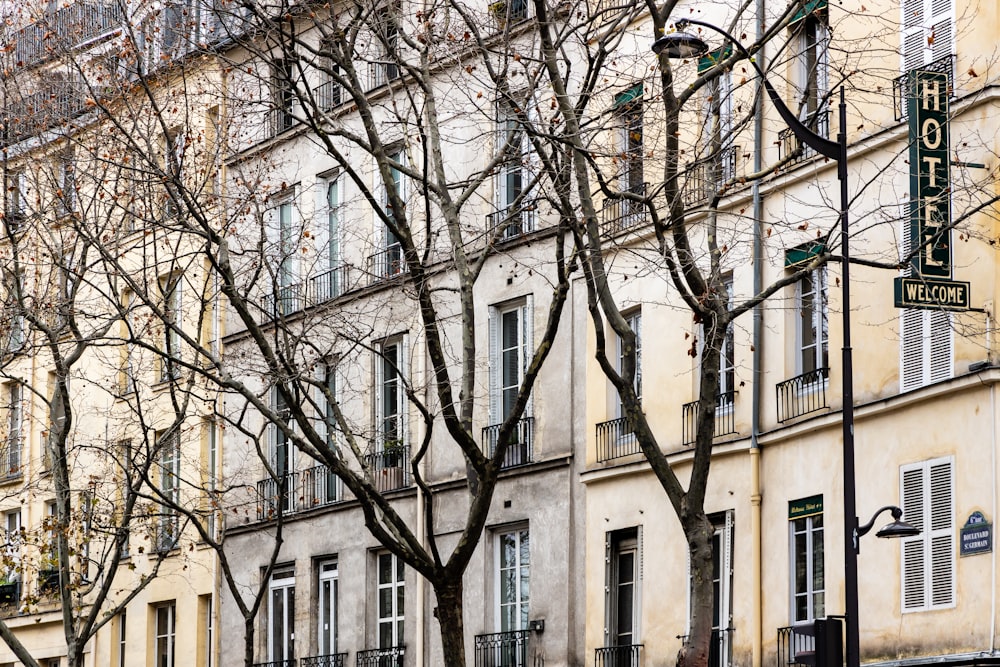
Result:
x=120 y=644
x=511 y=347
x=812 y=326
x=390 y=261
x=331 y=286
x=717 y=132
x=928 y=31
x=12 y=528
x=169 y=478
x=812 y=40
x=283 y=95
x=391 y=598
x=165 y=634
x=327 y=613
x=622 y=587
x=513 y=579
x=634 y=320
x=329 y=93
x=15 y=199
x=386 y=68
x=170 y=289
x=282 y=451
x=727 y=355
x=281 y=616
x=928 y=572
x=722 y=584
x=628 y=113
x=66 y=183
x=212 y=472
x=10 y=457
x=512 y=176
x=173 y=146
x=808 y=586
x=390 y=402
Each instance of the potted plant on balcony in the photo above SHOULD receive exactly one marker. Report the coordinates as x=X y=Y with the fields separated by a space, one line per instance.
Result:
x=48 y=572
x=10 y=587
x=390 y=465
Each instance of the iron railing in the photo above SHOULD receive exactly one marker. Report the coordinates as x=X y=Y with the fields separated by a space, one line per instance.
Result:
x=382 y=657
x=511 y=223
x=328 y=285
x=318 y=289
x=617 y=656
x=390 y=467
x=725 y=417
x=280 y=120
x=707 y=176
x=285 y=300
x=332 y=660
x=620 y=215
x=802 y=394
x=65 y=28
x=276 y=663
x=788 y=143
x=615 y=438
x=298 y=491
x=387 y=263
x=797 y=644
x=720 y=650
x=502 y=649
x=10 y=457
x=521 y=445
x=53 y=104
x=901 y=85
x=381 y=73
x=328 y=95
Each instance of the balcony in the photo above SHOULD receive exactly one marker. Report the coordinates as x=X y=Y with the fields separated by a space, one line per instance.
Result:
x=706 y=177
x=502 y=649
x=802 y=394
x=390 y=467
x=615 y=439
x=901 y=85
x=620 y=215
x=519 y=450
x=328 y=286
x=334 y=660
x=617 y=656
x=54 y=104
x=297 y=492
x=318 y=289
x=382 y=657
x=280 y=120
x=719 y=650
x=328 y=95
x=381 y=73
x=285 y=301
x=789 y=144
x=511 y=223
x=387 y=264
x=276 y=663
x=725 y=418
x=66 y=28
x=10 y=458
x=806 y=643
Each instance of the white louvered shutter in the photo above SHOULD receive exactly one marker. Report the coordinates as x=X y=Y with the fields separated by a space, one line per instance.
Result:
x=942 y=23
x=928 y=566
x=913 y=562
x=913 y=37
x=911 y=349
x=941 y=535
x=527 y=344
x=928 y=31
x=495 y=362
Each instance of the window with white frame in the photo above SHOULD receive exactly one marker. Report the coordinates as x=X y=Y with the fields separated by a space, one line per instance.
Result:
x=513 y=549
x=329 y=93
x=928 y=31
x=717 y=122
x=327 y=483
x=172 y=299
x=12 y=528
x=283 y=238
x=634 y=320
x=386 y=29
x=391 y=596
x=212 y=474
x=121 y=645
x=808 y=582
x=812 y=333
x=10 y=455
x=281 y=616
x=722 y=584
x=65 y=183
x=329 y=282
x=628 y=111
x=169 y=459
x=283 y=72
x=623 y=588
x=391 y=396
x=928 y=559
x=727 y=354
x=390 y=261
x=15 y=199
x=511 y=347
x=282 y=452
x=509 y=12
x=513 y=215
x=173 y=146
x=327 y=612
x=811 y=40
x=164 y=633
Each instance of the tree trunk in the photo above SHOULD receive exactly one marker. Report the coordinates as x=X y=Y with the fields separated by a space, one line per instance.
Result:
x=248 y=640
x=697 y=647
x=450 y=615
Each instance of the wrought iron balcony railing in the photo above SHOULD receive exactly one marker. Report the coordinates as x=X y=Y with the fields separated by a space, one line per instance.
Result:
x=388 y=263
x=10 y=457
x=280 y=120
x=382 y=657
x=725 y=417
x=615 y=439
x=390 y=467
x=298 y=491
x=332 y=660
x=802 y=394
x=788 y=143
x=804 y=643
x=511 y=223
x=620 y=215
x=519 y=449
x=318 y=289
x=901 y=85
x=286 y=300
x=617 y=656
x=707 y=176
x=53 y=104
x=328 y=95
x=328 y=285
x=502 y=649
x=66 y=28
x=720 y=649
x=381 y=73
x=291 y=662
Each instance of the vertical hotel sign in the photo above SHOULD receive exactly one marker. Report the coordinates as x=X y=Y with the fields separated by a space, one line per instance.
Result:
x=930 y=284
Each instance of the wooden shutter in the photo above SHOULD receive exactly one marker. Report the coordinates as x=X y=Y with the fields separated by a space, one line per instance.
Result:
x=941 y=535
x=913 y=565
x=913 y=37
x=928 y=559
x=928 y=31
x=941 y=28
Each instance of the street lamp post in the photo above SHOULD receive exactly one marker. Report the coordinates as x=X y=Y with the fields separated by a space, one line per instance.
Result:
x=684 y=45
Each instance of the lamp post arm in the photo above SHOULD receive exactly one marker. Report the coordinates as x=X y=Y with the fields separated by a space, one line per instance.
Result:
x=861 y=531
x=820 y=144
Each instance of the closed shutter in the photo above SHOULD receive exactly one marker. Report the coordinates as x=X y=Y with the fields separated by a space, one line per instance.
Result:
x=494 y=370
x=928 y=31
x=928 y=560
x=926 y=341
x=942 y=28
x=527 y=317
x=609 y=576
x=913 y=38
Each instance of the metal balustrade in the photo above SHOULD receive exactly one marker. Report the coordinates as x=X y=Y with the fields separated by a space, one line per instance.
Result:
x=388 y=263
x=298 y=491
x=280 y=120
x=328 y=285
x=51 y=105
x=617 y=656
x=65 y=28
x=615 y=439
x=332 y=660
x=10 y=457
x=276 y=663
x=315 y=290
x=725 y=418
x=285 y=300
x=705 y=178
x=328 y=95
x=502 y=649
x=901 y=84
x=519 y=449
x=381 y=73
x=802 y=394
x=511 y=223
x=720 y=653
x=788 y=143
x=620 y=215
x=382 y=657
x=390 y=467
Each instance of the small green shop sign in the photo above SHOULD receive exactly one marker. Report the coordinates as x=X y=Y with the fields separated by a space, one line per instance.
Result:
x=798 y=509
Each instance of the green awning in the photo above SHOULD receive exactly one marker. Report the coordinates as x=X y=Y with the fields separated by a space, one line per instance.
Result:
x=633 y=93
x=808 y=8
x=804 y=252
x=709 y=59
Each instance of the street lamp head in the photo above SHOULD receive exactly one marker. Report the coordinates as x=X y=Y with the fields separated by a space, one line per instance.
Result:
x=898 y=528
x=680 y=44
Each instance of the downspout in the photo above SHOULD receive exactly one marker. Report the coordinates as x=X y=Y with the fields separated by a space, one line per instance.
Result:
x=993 y=467
x=756 y=632
x=421 y=529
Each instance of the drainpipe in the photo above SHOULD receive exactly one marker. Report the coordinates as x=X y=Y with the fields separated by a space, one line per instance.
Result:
x=756 y=632
x=421 y=583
